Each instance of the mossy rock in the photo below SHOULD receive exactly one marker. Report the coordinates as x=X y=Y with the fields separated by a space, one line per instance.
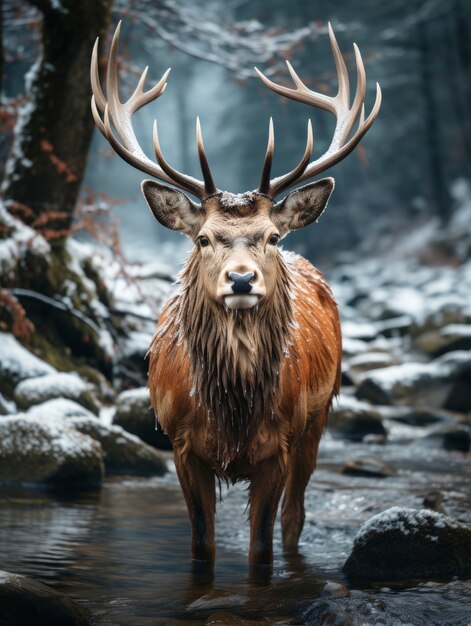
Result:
x=35 y=450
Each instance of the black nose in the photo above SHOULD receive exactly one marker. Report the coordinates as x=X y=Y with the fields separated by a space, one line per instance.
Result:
x=241 y=282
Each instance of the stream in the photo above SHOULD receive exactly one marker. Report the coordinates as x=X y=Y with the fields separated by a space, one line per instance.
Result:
x=124 y=551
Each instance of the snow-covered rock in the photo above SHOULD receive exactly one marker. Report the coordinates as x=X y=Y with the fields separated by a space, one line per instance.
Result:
x=123 y=453
x=414 y=383
x=370 y=361
x=367 y=467
x=17 y=364
x=353 y=419
x=33 y=450
x=135 y=414
x=446 y=339
x=59 y=408
x=403 y=543
x=27 y=602
x=58 y=385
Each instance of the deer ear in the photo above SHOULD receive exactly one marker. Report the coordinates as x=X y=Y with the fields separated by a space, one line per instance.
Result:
x=172 y=208
x=302 y=206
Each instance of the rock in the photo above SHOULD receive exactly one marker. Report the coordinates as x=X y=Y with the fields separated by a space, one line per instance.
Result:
x=370 y=361
x=17 y=364
x=402 y=543
x=415 y=383
x=6 y=406
x=136 y=415
x=25 y=602
x=446 y=339
x=34 y=450
x=131 y=365
x=59 y=408
x=352 y=347
x=381 y=607
x=352 y=420
x=375 y=440
x=365 y=331
x=357 y=609
x=123 y=453
x=424 y=416
x=58 y=385
x=395 y=326
x=459 y=396
x=433 y=501
x=449 y=437
x=367 y=467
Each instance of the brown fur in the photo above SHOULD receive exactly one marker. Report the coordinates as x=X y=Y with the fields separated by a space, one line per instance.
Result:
x=245 y=394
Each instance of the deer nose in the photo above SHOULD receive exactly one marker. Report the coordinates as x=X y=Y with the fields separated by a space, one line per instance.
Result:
x=241 y=282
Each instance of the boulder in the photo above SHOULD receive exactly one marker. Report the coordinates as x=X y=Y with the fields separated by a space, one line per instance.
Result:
x=6 y=406
x=371 y=361
x=367 y=467
x=58 y=385
x=446 y=339
x=422 y=416
x=381 y=607
x=123 y=453
x=364 y=331
x=402 y=543
x=136 y=415
x=353 y=420
x=448 y=437
x=415 y=383
x=17 y=364
x=59 y=408
x=34 y=450
x=25 y=602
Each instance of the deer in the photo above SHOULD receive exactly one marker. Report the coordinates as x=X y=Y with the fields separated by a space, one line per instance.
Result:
x=246 y=356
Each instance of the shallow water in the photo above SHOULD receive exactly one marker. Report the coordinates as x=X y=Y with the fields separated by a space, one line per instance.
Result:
x=124 y=551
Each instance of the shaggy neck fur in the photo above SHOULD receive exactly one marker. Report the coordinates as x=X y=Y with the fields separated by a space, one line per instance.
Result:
x=235 y=355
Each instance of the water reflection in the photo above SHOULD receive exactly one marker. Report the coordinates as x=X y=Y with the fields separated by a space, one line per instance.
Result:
x=124 y=552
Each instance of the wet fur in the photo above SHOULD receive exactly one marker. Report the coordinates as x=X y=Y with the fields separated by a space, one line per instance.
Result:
x=238 y=387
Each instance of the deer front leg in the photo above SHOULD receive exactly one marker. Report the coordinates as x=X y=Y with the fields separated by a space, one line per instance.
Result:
x=198 y=486
x=266 y=488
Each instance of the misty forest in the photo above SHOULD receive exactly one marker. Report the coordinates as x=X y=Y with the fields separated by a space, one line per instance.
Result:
x=94 y=528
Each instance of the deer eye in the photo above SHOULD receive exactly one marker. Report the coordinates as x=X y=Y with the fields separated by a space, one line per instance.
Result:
x=203 y=241
x=274 y=239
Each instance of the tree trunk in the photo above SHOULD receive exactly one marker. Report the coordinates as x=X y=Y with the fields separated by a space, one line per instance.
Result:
x=54 y=130
x=440 y=195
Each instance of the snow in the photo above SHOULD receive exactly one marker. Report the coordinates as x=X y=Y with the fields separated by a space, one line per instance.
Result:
x=23 y=435
x=407 y=521
x=134 y=396
x=442 y=368
x=21 y=239
x=18 y=363
x=359 y=330
x=59 y=408
x=69 y=385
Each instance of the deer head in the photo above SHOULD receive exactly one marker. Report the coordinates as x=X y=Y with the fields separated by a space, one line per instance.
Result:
x=235 y=236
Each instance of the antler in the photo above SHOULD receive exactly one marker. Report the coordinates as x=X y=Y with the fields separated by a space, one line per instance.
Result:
x=339 y=105
x=117 y=115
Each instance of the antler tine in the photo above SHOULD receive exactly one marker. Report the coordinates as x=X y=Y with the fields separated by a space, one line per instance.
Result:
x=118 y=115
x=339 y=105
x=331 y=158
x=182 y=179
x=207 y=177
x=343 y=94
x=291 y=177
x=95 y=79
x=264 y=186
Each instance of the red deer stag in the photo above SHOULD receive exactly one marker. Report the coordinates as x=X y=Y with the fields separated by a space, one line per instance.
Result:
x=246 y=357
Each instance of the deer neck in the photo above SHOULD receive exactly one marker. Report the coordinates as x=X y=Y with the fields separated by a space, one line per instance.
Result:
x=235 y=355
